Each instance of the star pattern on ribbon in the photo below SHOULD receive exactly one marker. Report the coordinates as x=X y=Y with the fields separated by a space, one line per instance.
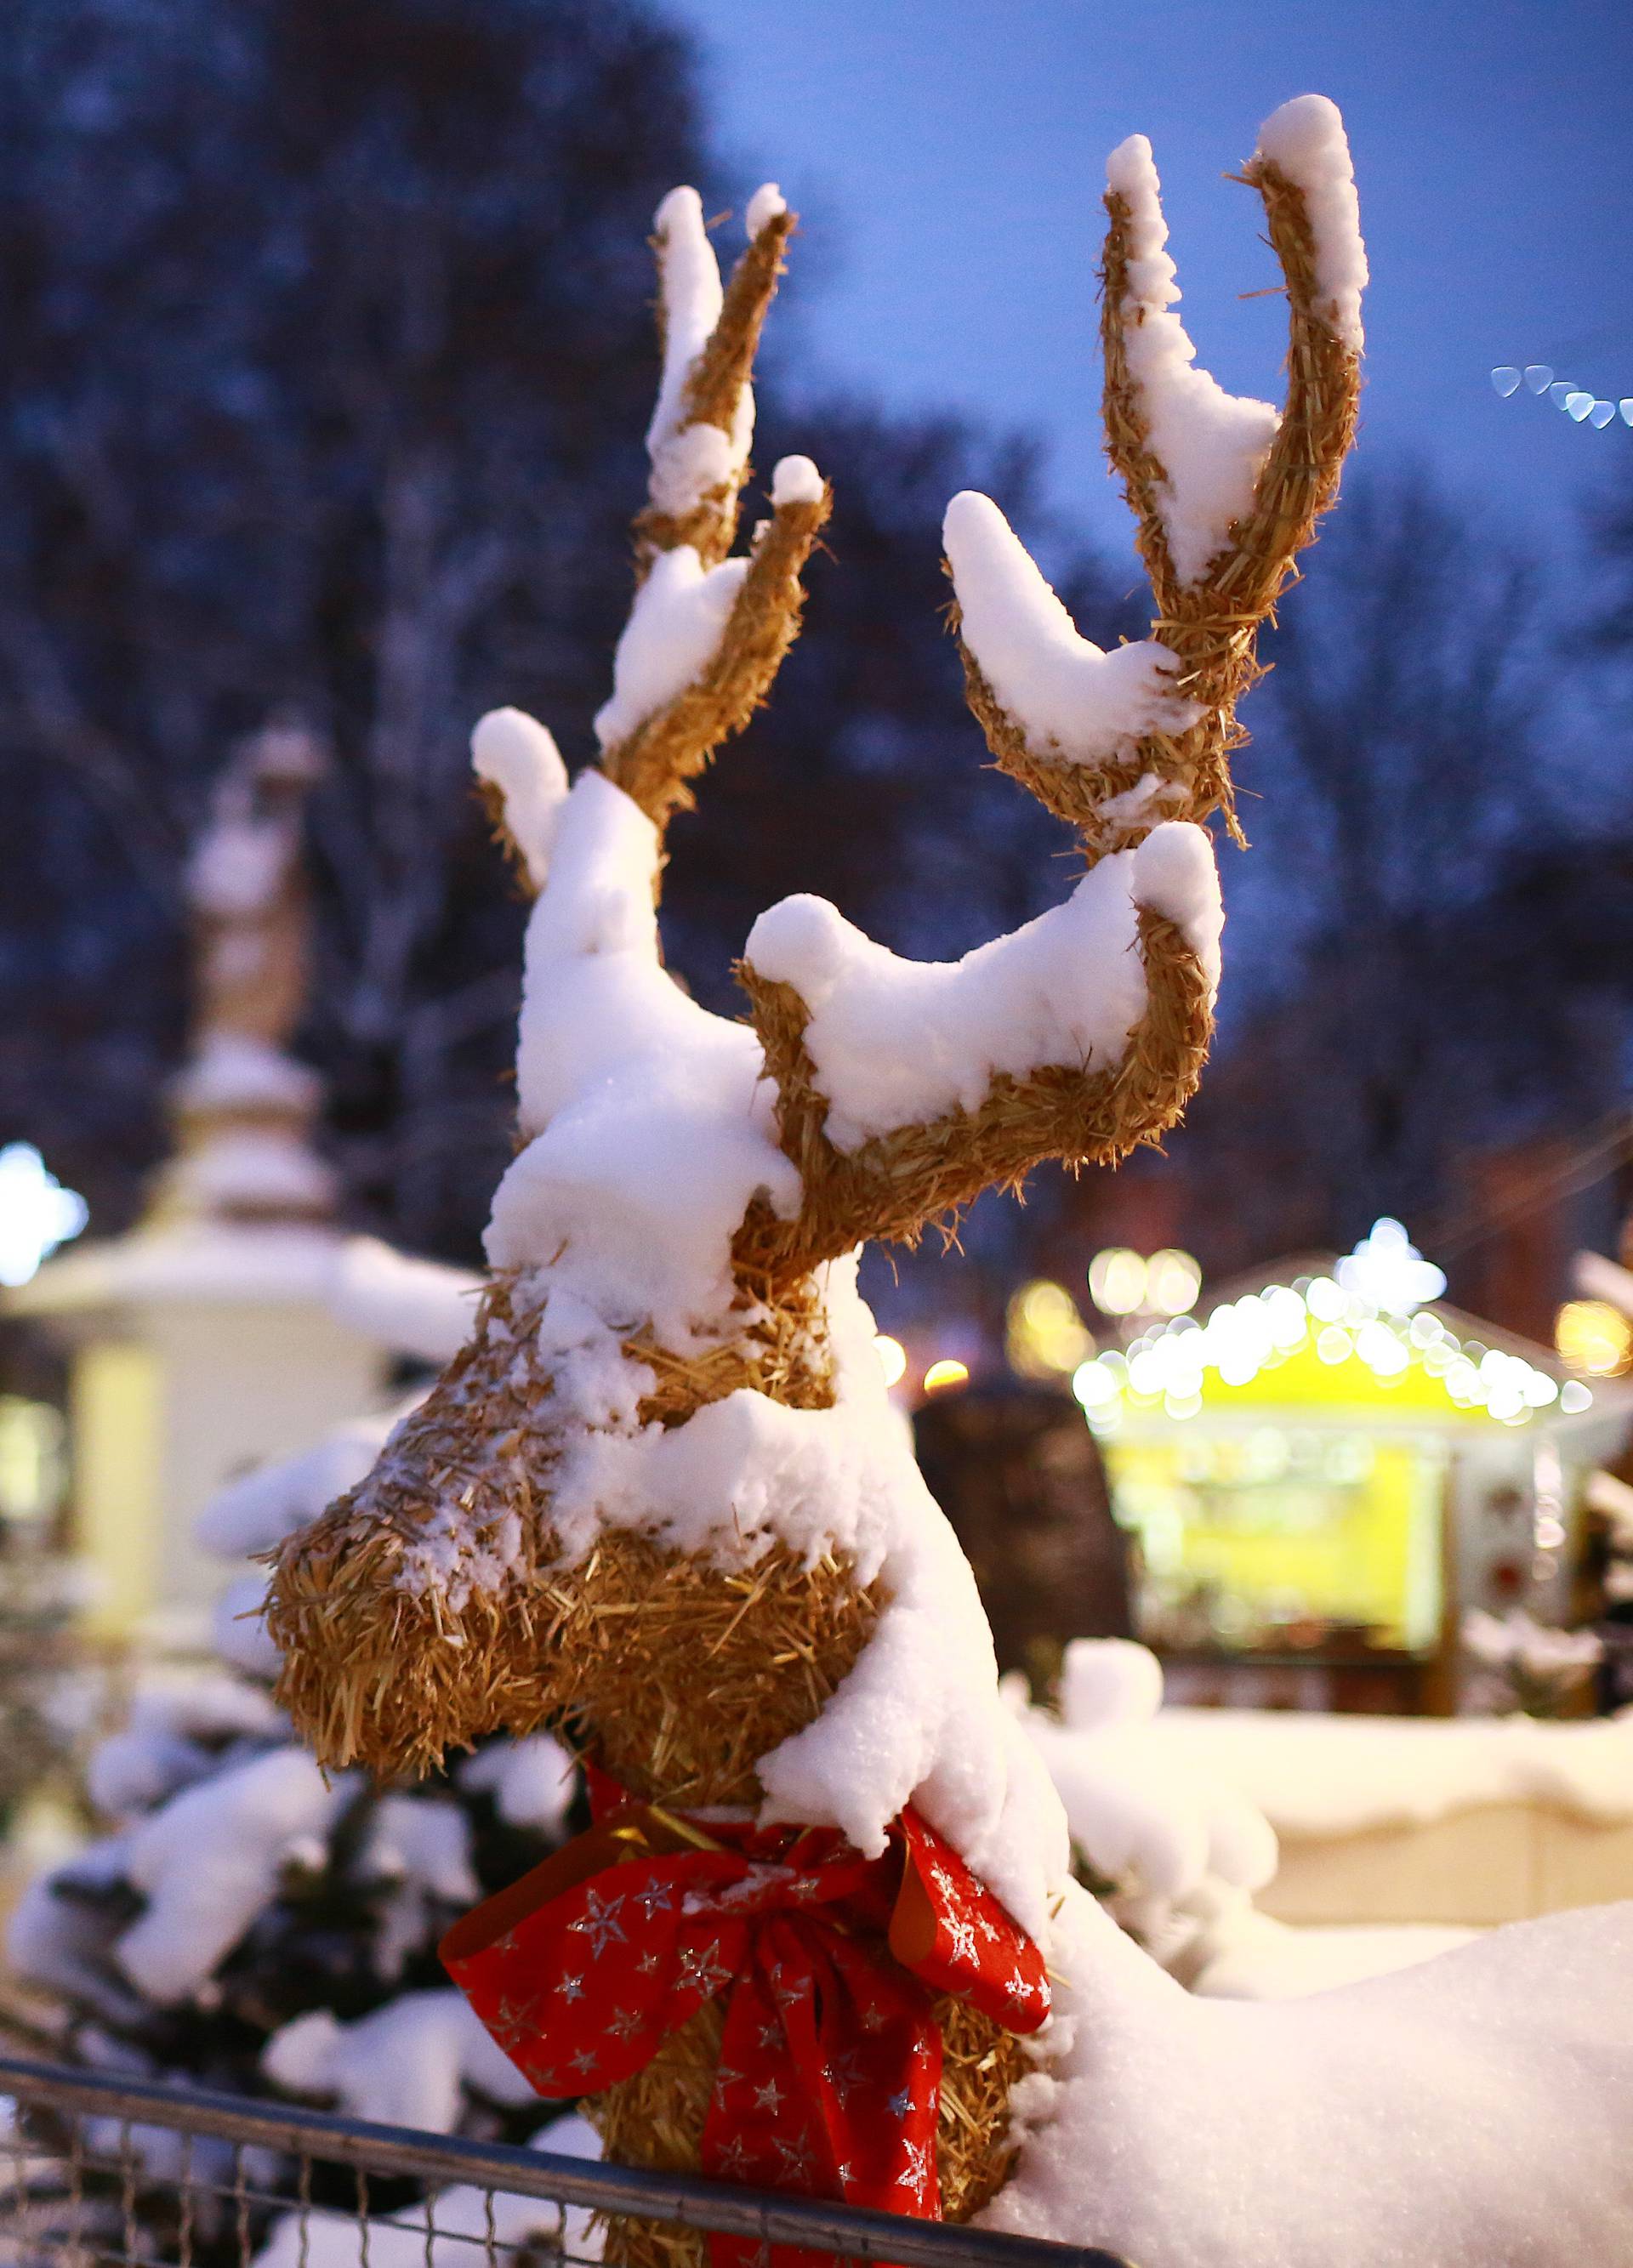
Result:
x=829 y=2078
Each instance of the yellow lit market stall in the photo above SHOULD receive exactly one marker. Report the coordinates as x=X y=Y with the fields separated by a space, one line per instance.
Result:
x=1320 y=1476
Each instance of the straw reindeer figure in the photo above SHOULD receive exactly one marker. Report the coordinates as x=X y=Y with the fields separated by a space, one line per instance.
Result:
x=660 y=1498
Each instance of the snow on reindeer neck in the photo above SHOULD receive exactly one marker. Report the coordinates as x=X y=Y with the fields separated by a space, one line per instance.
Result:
x=1211 y=444
x=651 y=1131
x=918 y=1718
x=897 y=1042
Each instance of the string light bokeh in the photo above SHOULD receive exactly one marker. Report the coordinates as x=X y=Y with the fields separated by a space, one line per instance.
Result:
x=1581 y=406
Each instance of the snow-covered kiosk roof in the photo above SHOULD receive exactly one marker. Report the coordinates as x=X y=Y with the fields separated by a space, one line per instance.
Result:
x=237 y=1320
x=1302 y=1334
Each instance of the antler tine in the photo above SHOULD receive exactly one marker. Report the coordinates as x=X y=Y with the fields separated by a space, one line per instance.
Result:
x=704 y=422
x=707 y=632
x=903 y=1094
x=893 y=1185
x=1224 y=493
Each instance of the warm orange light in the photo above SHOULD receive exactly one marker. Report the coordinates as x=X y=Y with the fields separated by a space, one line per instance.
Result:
x=1592 y=1336
x=1045 y=1336
x=945 y=1373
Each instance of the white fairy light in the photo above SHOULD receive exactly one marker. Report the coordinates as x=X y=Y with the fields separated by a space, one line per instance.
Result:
x=1388 y=1272
x=36 y=1213
x=1172 y=1282
x=1581 y=406
x=1117 y=1281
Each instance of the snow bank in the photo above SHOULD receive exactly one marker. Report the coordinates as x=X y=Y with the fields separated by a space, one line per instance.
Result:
x=1183 y=1849
x=1304 y=140
x=1263 y=1959
x=403 y=2065
x=1314 y=1776
x=1072 y=700
x=1469 y=2111
x=896 y=1042
x=1211 y=444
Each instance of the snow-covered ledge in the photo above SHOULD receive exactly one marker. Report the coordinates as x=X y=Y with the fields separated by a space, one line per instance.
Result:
x=1465 y=1821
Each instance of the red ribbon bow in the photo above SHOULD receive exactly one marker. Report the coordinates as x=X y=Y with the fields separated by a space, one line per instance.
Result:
x=829 y=2081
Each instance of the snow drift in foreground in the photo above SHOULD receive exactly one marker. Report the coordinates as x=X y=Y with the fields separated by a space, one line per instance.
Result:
x=1471 y=2111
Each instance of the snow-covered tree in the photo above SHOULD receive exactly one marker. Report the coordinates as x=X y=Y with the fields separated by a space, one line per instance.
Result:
x=244 y=1923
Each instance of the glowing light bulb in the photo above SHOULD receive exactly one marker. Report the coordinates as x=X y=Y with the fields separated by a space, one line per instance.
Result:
x=892 y=1357
x=1592 y=1336
x=1094 y=1385
x=1172 y=1281
x=948 y=1372
x=1045 y=1336
x=1388 y=1272
x=1117 y=1280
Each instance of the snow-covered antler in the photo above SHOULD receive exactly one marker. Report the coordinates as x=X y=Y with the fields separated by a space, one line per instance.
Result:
x=905 y=1090
x=707 y=631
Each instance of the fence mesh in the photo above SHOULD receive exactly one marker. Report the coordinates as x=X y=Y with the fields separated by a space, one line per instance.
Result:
x=98 y=2170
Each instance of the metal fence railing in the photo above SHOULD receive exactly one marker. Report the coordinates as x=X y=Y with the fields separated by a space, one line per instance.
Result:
x=100 y=2170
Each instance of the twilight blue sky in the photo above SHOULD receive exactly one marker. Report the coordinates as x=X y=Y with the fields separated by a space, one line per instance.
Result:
x=947 y=157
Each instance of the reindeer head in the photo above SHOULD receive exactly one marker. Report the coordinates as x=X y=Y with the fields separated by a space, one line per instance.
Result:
x=660 y=1493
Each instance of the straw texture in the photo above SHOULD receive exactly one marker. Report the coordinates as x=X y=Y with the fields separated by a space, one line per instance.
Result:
x=1084 y=1114
x=712 y=395
x=655 y=763
x=680 y=1674
x=656 y=2119
x=1212 y=624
